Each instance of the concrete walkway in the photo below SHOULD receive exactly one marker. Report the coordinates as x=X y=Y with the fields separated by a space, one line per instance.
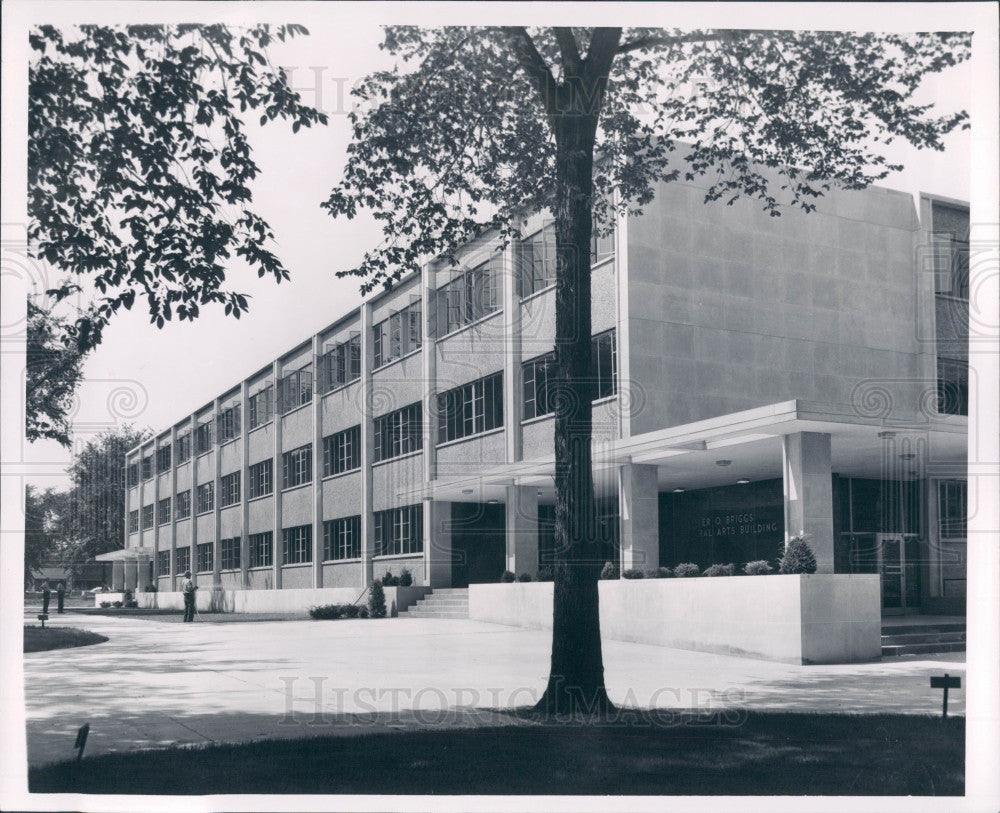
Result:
x=155 y=683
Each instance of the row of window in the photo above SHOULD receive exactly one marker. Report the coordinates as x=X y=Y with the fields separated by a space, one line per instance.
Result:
x=398 y=335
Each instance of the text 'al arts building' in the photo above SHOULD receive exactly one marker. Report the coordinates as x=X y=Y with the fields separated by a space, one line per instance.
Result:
x=756 y=377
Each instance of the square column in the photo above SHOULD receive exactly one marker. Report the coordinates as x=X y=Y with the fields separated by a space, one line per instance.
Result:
x=117 y=575
x=437 y=543
x=808 y=487
x=638 y=517
x=521 y=530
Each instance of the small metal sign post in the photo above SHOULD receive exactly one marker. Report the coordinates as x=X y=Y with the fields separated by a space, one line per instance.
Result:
x=81 y=740
x=43 y=617
x=946 y=682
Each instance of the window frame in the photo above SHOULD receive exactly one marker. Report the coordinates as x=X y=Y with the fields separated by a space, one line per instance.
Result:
x=398 y=433
x=230 y=552
x=296 y=467
x=203 y=489
x=296 y=545
x=392 y=526
x=205 y=554
x=163 y=510
x=470 y=409
x=342 y=538
x=342 y=451
x=229 y=489
x=260 y=486
x=182 y=504
x=261 y=543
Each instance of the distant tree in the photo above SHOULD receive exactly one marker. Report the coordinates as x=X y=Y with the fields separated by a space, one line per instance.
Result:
x=45 y=527
x=96 y=522
x=478 y=127
x=140 y=167
x=53 y=372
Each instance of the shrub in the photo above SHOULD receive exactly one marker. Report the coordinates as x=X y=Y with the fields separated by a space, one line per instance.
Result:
x=798 y=557
x=151 y=588
x=663 y=573
x=546 y=573
x=363 y=612
x=330 y=611
x=116 y=604
x=405 y=578
x=758 y=567
x=524 y=577
x=388 y=580
x=132 y=605
x=632 y=573
x=720 y=570
x=686 y=570
x=609 y=571
x=127 y=595
x=507 y=577
x=105 y=604
x=351 y=610
x=376 y=601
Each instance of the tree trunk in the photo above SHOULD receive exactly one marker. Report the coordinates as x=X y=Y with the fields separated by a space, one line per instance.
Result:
x=576 y=677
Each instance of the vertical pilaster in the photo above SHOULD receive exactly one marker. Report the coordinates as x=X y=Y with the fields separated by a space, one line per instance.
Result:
x=626 y=397
x=156 y=505
x=367 y=446
x=217 y=499
x=171 y=572
x=638 y=517
x=808 y=491
x=428 y=358
x=437 y=543
x=317 y=462
x=521 y=530
x=512 y=383
x=193 y=513
x=244 y=483
x=277 y=547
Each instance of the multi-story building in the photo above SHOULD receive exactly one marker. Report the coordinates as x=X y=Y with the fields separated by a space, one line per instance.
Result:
x=755 y=377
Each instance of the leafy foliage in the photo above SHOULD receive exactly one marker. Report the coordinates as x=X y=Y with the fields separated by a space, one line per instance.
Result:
x=798 y=557
x=609 y=571
x=334 y=611
x=140 y=166
x=507 y=577
x=633 y=573
x=720 y=570
x=759 y=567
x=524 y=577
x=686 y=570
x=53 y=372
x=43 y=527
x=376 y=601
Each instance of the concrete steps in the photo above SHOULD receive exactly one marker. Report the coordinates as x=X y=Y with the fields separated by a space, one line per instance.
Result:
x=922 y=639
x=447 y=602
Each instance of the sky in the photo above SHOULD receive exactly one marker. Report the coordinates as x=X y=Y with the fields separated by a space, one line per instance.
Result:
x=153 y=377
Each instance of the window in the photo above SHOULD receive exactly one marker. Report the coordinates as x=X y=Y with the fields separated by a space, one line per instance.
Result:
x=296 y=467
x=133 y=521
x=952 y=387
x=230 y=552
x=295 y=389
x=229 y=489
x=398 y=335
x=261 y=546
x=342 y=538
x=951 y=250
x=466 y=298
x=261 y=479
x=470 y=409
x=183 y=444
x=399 y=530
x=147 y=467
x=133 y=474
x=539 y=376
x=163 y=511
x=206 y=498
x=147 y=516
x=228 y=424
x=260 y=406
x=342 y=451
x=952 y=509
x=203 y=437
x=206 y=557
x=163 y=459
x=341 y=364
x=535 y=261
x=183 y=560
x=601 y=247
x=163 y=563
x=399 y=432
x=297 y=545
x=182 y=505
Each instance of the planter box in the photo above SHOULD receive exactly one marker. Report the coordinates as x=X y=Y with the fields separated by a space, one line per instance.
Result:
x=276 y=601
x=824 y=618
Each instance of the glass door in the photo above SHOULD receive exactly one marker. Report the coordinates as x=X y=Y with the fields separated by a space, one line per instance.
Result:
x=899 y=567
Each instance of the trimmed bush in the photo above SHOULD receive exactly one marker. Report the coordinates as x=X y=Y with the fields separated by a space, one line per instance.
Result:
x=105 y=604
x=659 y=573
x=132 y=605
x=759 y=567
x=507 y=577
x=405 y=578
x=686 y=570
x=798 y=557
x=720 y=570
x=363 y=612
x=151 y=588
x=116 y=604
x=524 y=577
x=632 y=573
x=388 y=580
x=609 y=571
x=376 y=601
x=546 y=573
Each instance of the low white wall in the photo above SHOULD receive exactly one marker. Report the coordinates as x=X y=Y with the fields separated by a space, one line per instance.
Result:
x=276 y=601
x=823 y=618
x=99 y=598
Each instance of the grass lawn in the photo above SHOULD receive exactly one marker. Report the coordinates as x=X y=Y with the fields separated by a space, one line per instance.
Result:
x=37 y=639
x=754 y=754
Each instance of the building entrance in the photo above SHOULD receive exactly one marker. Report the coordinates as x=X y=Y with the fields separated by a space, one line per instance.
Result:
x=478 y=543
x=899 y=567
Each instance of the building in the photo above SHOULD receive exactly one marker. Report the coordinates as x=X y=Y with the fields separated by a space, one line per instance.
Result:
x=756 y=377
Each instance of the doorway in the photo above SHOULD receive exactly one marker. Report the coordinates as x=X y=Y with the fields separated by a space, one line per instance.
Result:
x=899 y=568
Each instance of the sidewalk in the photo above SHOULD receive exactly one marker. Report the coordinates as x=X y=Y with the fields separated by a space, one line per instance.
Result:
x=156 y=683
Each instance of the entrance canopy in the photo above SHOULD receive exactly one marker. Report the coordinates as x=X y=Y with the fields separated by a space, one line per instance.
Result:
x=125 y=555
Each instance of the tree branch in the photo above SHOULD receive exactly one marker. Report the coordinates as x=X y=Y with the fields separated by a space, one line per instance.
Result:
x=567 y=47
x=649 y=42
x=533 y=66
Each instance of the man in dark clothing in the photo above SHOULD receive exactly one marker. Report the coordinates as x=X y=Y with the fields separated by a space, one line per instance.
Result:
x=46 y=595
x=60 y=595
x=187 y=590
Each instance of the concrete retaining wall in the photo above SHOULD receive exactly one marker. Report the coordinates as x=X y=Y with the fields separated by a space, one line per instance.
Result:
x=276 y=601
x=828 y=618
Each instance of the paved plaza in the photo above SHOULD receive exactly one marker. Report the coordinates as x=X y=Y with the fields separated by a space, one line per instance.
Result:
x=156 y=683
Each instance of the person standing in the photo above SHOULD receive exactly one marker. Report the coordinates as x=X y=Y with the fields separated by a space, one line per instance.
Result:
x=187 y=590
x=46 y=596
x=60 y=595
